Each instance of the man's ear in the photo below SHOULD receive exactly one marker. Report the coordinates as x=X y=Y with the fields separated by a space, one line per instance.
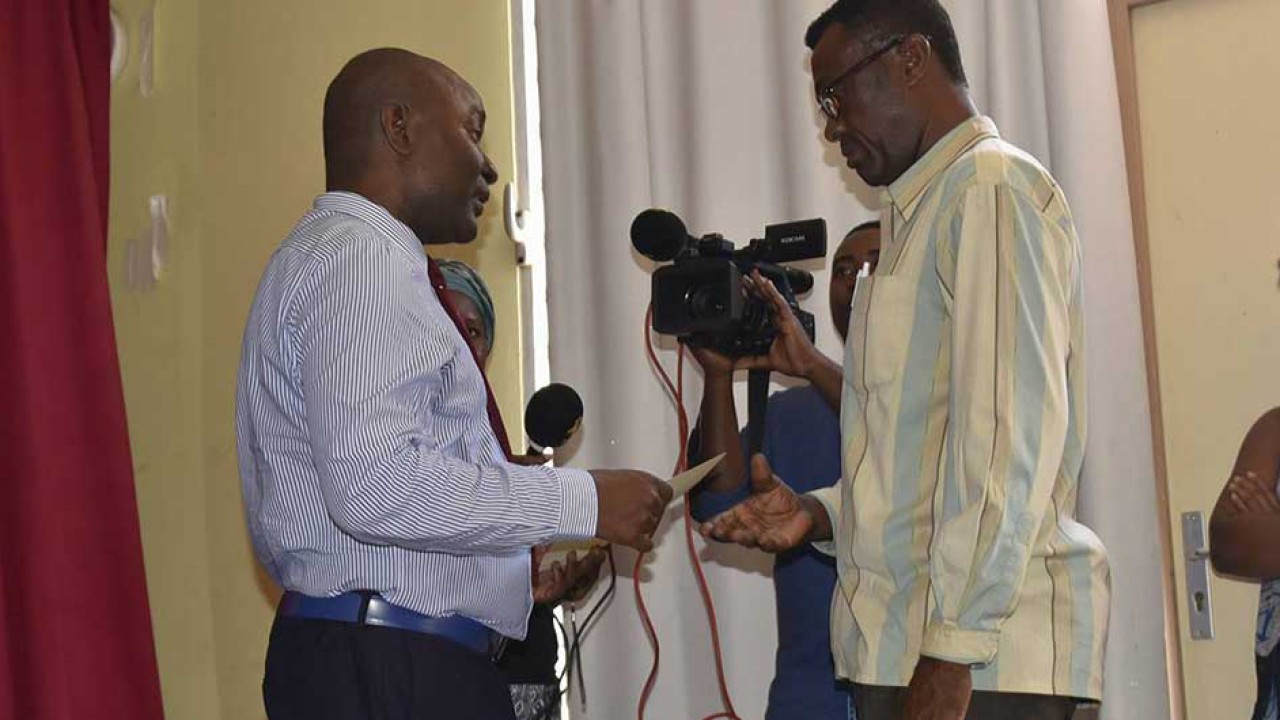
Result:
x=395 y=128
x=914 y=56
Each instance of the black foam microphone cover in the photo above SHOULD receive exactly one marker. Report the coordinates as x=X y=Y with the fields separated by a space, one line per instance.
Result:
x=658 y=234
x=553 y=414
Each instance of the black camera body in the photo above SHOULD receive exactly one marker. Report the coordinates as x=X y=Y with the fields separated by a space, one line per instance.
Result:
x=700 y=297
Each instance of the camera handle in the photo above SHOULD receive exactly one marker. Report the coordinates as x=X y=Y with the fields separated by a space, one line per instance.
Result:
x=757 y=405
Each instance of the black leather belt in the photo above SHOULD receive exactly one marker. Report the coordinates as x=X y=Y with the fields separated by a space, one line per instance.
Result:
x=363 y=608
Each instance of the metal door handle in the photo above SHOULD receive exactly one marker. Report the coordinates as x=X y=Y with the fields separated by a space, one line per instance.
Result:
x=1195 y=550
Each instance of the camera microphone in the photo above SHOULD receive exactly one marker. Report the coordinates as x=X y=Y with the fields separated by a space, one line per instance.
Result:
x=659 y=235
x=553 y=415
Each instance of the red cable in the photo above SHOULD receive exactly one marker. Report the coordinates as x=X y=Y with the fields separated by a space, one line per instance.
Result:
x=713 y=622
x=676 y=392
x=635 y=575
x=650 y=631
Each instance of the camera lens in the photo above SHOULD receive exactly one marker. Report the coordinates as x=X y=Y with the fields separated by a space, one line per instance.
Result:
x=705 y=302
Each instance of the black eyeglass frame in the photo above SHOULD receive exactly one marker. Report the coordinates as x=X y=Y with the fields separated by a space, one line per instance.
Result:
x=828 y=100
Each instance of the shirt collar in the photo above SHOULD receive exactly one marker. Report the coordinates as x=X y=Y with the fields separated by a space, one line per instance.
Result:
x=361 y=208
x=903 y=193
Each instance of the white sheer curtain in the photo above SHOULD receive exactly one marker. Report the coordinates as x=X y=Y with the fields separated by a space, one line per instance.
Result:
x=706 y=108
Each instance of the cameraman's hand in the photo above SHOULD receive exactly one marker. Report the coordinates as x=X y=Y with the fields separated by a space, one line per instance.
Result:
x=712 y=362
x=631 y=503
x=792 y=352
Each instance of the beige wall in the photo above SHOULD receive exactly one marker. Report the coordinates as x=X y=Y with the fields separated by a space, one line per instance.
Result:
x=232 y=135
x=1209 y=154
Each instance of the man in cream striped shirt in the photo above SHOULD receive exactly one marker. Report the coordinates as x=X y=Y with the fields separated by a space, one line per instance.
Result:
x=967 y=589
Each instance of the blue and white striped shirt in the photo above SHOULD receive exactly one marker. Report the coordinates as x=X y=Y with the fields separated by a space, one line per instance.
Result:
x=366 y=454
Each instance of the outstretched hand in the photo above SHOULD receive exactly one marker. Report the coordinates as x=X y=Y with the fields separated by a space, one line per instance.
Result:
x=774 y=518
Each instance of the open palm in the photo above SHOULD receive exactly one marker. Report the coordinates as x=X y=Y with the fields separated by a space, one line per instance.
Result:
x=773 y=518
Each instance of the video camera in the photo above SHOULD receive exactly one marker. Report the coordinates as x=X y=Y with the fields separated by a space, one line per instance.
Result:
x=700 y=298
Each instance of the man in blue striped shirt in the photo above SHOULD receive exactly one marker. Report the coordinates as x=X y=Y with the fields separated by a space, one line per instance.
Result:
x=375 y=468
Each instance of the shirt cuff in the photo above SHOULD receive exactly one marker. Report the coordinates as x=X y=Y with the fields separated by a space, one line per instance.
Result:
x=830 y=499
x=579 y=508
x=945 y=641
x=706 y=504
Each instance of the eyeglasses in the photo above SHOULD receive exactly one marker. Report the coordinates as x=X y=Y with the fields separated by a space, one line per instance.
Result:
x=828 y=100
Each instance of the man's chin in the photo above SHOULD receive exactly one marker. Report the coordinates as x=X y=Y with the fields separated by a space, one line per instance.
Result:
x=871 y=177
x=464 y=234
x=470 y=230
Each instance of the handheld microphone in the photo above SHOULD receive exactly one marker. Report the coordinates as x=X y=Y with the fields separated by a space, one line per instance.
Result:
x=553 y=415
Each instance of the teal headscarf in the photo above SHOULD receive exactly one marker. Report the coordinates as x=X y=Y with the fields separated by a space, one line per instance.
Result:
x=460 y=277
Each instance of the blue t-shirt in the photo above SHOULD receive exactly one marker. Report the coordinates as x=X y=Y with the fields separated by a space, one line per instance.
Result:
x=802 y=443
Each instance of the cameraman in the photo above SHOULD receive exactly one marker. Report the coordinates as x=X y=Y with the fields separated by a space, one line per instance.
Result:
x=802 y=441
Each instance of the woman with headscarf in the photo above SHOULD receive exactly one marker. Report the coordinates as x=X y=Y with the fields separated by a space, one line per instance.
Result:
x=471 y=299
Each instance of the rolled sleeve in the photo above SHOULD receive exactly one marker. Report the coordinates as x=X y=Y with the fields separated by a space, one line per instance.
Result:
x=831 y=500
x=944 y=641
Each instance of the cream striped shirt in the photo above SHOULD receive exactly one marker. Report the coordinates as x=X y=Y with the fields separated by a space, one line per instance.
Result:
x=963 y=426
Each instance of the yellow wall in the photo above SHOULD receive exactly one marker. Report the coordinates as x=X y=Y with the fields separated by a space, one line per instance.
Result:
x=154 y=146
x=232 y=135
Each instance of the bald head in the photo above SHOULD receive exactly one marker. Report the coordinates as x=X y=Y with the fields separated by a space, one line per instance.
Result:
x=404 y=131
x=353 y=105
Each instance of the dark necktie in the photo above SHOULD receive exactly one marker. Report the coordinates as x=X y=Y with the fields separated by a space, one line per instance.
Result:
x=495 y=417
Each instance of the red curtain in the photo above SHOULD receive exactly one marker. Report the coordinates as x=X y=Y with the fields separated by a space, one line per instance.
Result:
x=75 y=635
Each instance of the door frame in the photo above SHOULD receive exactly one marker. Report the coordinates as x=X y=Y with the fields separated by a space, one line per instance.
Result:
x=1120 y=13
